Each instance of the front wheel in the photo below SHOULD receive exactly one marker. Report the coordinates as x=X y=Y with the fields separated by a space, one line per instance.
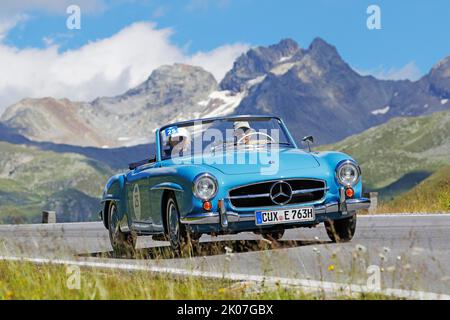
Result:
x=121 y=242
x=175 y=231
x=341 y=230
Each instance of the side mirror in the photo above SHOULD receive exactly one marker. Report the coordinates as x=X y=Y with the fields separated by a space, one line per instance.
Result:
x=308 y=140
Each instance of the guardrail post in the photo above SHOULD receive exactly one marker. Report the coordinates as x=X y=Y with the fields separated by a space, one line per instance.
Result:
x=373 y=202
x=48 y=217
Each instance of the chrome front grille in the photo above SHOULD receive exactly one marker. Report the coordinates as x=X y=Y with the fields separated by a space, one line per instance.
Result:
x=259 y=194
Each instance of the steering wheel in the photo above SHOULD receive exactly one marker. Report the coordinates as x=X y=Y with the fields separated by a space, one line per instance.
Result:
x=255 y=133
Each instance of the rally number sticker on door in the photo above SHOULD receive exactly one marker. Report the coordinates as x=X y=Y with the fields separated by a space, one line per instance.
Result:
x=137 y=202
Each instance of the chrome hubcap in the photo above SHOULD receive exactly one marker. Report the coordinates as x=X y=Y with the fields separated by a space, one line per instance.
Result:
x=114 y=225
x=173 y=222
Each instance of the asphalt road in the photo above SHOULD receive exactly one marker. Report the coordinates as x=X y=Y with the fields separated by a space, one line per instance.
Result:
x=412 y=251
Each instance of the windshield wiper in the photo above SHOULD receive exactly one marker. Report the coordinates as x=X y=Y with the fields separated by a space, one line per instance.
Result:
x=281 y=143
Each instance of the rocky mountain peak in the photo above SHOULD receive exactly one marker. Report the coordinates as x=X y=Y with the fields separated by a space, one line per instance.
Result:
x=439 y=78
x=324 y=54
x=257 y=62
x=443 y=64
x=174 y=76
x=285 y=48
x=318 y=45
x=280 y=58
x=129 y=118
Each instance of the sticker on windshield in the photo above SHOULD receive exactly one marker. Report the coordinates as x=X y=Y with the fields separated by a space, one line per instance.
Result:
x=170 y=131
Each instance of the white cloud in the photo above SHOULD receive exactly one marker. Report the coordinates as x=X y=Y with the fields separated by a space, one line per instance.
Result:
x=102 y=68
x=8 y=23
x=409 y=71
x=220 y=60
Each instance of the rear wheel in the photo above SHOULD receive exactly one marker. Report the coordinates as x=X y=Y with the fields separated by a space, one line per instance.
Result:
x=122 y=243
x=273 y=235
x=341 y=230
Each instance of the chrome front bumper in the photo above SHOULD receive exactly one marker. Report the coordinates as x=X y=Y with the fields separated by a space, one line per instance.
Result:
x=226 y=217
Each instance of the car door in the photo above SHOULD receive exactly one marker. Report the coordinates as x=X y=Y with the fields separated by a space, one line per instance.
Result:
x=159 y=176
x=138 y=195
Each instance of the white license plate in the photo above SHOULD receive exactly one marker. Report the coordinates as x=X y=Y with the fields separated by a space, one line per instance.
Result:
x=285 y=216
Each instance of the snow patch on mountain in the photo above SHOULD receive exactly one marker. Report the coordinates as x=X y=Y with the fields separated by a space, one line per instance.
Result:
x=284 y=59
x=220 y=103
x=282 y=68
x=256 y=81
x=225 y=102
x=381 y=111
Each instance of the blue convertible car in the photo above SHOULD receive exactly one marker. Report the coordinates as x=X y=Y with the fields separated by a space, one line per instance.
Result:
x=229 y=175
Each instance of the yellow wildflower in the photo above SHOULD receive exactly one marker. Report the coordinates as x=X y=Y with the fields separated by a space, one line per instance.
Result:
x=9 y=295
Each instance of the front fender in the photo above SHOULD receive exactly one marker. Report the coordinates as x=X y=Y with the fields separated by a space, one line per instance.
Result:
x=330 y=160
x=179 y=178
x=168 y=186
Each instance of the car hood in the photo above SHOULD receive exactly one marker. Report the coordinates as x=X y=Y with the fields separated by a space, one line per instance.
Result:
x=257 y=162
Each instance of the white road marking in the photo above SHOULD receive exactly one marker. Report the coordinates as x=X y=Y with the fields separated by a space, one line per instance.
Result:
x=307 y=285
x=396 y=215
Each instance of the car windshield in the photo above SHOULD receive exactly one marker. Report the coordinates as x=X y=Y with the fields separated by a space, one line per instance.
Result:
x=197 y=137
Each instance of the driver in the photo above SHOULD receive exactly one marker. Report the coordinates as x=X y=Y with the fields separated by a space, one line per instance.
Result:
x=242 y=129
x=178 y=142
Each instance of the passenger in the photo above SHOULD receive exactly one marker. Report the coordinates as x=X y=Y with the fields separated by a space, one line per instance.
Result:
x=178 y=142
x=242 y=132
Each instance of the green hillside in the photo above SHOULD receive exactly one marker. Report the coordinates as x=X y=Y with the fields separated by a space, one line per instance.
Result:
x=431 y=195
x=395 y=156
x=32 y=180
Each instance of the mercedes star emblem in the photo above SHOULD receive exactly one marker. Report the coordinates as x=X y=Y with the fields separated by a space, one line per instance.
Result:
x=281 y=193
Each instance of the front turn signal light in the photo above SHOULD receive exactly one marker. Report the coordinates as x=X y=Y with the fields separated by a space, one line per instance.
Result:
x=349 y=192
x=207 y=205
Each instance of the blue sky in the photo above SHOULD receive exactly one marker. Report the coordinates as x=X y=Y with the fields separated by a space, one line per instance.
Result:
x=414 y=34
x=412 y=31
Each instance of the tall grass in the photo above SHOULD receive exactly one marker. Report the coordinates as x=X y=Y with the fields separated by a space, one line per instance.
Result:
x=23 y=280
x=431 y=195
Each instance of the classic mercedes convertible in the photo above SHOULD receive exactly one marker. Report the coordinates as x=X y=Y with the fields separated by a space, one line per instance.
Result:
x=229 y=175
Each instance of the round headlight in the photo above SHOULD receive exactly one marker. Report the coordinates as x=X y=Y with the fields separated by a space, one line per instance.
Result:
x=348 y=173
x=205 y=186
